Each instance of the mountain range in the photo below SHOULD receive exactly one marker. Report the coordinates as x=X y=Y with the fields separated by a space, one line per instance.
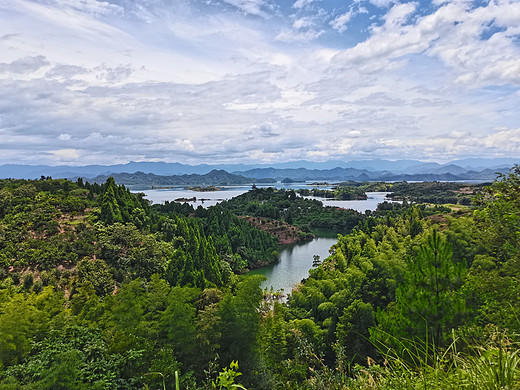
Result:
x=467 y=169
x=213 y=178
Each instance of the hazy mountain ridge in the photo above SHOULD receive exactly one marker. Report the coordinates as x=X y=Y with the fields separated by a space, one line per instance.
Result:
x=467 y=169
x=346 y=174
x=215 y=177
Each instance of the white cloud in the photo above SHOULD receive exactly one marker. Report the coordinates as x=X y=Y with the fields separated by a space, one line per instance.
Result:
x=453 y=34
x=266 y=129
x=24 y=65
x=303 y=23
x=65 y=155
x=506 y=140
x=293 y=36
x=382 y=3
x=115 y=74
x=399 y=14
x=302 y=3
x=340 y=24
x=253 y=7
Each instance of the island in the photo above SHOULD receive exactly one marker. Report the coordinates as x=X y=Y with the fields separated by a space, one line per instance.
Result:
x=204 y=189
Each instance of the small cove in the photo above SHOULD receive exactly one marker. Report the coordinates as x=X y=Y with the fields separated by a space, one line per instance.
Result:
x=294 y=264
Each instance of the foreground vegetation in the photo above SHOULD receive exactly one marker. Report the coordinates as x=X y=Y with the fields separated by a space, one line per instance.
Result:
x=99 y=290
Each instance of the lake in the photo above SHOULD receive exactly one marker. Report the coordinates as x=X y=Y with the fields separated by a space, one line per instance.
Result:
x=211 y=198
x=373 y=199
x=294 y=264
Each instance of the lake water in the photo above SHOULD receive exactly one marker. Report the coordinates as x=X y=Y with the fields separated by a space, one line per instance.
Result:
x=211 y=198
x=374 y=198
x=204 y=199
x=295 y=262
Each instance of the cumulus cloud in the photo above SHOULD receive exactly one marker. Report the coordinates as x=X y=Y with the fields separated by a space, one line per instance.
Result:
x=24 y=65
x=303 y=23
x=340 y=24
x=382 y=3
x=302 y=29
x=266 y=130
x=64 y=137
x=505 y=140
x=452 y=33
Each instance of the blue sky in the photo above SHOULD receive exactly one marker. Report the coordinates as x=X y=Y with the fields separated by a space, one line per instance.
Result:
x=241 y=81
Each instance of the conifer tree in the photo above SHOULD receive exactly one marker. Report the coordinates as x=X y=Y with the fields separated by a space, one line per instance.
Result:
x=429 y=302
x=110 y=212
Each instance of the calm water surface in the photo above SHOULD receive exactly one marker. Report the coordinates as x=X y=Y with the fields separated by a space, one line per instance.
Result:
x=374 y=198
x=295 y=262
x=211 y=198
x=206 y=199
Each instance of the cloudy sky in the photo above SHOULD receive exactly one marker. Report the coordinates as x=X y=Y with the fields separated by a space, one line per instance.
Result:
x=240 y=81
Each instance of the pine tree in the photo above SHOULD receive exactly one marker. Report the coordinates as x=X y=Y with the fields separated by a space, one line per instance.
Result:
x=429 y=302
x=110 y=212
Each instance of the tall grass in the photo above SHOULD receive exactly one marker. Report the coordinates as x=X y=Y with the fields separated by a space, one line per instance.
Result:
x=421 y=365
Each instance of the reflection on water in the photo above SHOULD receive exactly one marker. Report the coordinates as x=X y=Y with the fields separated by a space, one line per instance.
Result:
x=295 y=262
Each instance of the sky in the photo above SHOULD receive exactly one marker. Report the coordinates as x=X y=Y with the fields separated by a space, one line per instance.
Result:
x=257 y=81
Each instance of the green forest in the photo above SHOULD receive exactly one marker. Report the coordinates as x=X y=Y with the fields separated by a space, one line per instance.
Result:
x=286 y=205
x=101 y=290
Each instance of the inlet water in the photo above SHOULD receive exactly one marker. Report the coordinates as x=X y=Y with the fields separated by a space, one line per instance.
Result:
x=294 y=264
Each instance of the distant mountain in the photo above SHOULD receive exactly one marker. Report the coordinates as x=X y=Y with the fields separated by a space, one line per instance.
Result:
x=438 y=169
x=214 y=178
x=479 y=164
x=386 y=165
x=449 y=173
x=299 y=170
x=302 y=174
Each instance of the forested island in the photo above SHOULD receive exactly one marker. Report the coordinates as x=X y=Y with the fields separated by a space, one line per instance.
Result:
x=101 y=290
x=337 y=192
x=286 y=205
x=204 y=189
x=416 y=192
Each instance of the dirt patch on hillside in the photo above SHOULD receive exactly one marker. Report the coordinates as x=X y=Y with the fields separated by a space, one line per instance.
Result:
x=286 y=234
